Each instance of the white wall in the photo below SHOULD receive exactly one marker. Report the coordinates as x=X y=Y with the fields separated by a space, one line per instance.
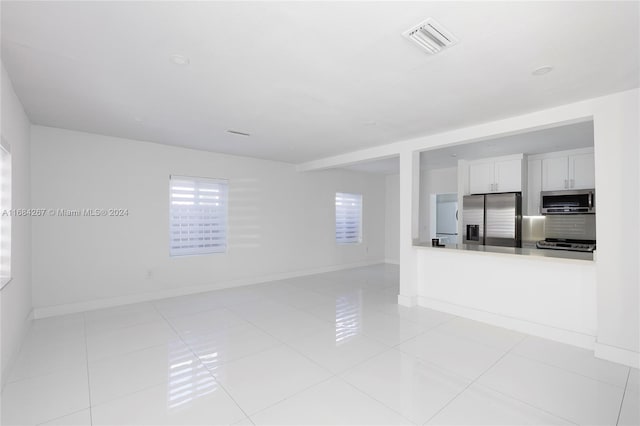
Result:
x=434 y=181
x=392 y=219
x=281 y=222
x=15 y=304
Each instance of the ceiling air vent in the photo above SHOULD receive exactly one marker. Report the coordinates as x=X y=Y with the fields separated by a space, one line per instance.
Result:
x=431 y=36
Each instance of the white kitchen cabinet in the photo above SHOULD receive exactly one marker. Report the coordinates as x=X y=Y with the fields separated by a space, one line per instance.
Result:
x=555 y=173
x=508 y=176
x=568 y=171
x=534 y=184
x=502 y=174
x=582 y=172
x=481 y=177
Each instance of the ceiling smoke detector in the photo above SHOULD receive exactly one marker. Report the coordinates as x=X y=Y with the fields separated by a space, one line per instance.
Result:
x=430 y=36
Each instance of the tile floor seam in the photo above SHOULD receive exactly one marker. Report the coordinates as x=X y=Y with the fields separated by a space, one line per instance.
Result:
x=422 y=333
x=515 y=397
x=292 y=395
x=467 y=339
x=196 y=312
x=226 y=328
x=269 y=318
x=623 y=395
x=378 y=401
x=104 y=358
x=369 y=358
x=221 y=363
x=380 y=311
x=387 y=348
x=435 y=366
x=291 y=347
x=86 y=348
x=129 y=393
x=208 y=371
x=95 y=332
x=63 y=416
x=469 y=385
x=567 y=370
x=386 y=345
x=332 y=375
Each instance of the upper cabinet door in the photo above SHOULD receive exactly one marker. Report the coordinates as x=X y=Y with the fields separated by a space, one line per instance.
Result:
x=481 y=178
x=508 y=176
x=582 y=171
x=555 y=174
x=534 y=186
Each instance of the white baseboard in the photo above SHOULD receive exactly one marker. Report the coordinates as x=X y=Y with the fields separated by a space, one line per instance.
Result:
x=408 y=301
x=392 y=261
x=541 y=330
x=72 y=308
x=619 y=355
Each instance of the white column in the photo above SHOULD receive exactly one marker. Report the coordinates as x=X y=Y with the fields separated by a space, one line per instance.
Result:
x=616 y=133
x=409 y=199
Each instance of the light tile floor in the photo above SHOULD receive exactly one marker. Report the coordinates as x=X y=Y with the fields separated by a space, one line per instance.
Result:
x=331 y=348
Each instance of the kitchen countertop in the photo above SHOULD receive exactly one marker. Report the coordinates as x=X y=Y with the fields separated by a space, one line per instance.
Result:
x=522 y=251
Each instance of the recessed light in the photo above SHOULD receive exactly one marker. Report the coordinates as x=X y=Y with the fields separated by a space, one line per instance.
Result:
x=179 y=60
x=542 y=70
x=137 y=119
x=235 y=132
x=454 y=155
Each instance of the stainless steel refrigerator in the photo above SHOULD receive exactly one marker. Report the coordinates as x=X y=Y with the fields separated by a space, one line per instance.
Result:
x=492 y=219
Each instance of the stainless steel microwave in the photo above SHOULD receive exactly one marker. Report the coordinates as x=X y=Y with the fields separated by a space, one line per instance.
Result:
x=576 y=201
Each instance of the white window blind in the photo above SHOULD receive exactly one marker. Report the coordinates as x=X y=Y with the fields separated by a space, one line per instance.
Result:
x=5 y=216
x=348 y=218
x=198 y=223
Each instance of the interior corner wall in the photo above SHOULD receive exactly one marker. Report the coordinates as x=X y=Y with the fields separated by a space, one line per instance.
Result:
x=281 y=222
x=15 y=297
x=392 y=219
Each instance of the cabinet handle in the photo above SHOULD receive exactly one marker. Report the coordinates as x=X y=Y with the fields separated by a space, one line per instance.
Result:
x=496 y=187
x=572 y=182
x=566 y=182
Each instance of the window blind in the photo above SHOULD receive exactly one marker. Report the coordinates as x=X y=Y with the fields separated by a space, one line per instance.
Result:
x=348 y=218
x=198 y=222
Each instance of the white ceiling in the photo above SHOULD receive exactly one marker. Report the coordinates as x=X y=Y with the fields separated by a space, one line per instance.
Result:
x=572 y=136
x=306 y=79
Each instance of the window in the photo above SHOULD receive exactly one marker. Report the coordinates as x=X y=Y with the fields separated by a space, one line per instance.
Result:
x=348 y=218
x=198 y=216
x=5 y=214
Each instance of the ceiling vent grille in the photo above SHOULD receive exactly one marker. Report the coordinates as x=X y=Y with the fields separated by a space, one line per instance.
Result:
x=430 y=36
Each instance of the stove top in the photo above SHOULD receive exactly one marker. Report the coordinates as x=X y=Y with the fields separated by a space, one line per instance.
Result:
x=571 y=245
